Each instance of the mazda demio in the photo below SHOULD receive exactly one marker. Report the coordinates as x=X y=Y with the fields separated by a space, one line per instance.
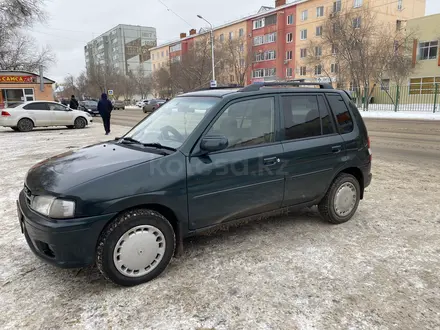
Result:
x=206 y=158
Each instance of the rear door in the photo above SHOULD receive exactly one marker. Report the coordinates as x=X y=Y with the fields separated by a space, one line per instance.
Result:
x=61 y=115
x=313 y=150
x=39 y=112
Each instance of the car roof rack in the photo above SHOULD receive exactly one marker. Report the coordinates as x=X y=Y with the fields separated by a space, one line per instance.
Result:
x=218 y=87
x=257 y=86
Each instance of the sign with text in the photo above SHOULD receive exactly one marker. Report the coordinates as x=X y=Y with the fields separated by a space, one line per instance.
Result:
x=16 y=79
x=110 y=92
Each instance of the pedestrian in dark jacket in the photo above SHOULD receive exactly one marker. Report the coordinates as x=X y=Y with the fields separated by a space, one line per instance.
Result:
x=105 y=108
x=73 y=103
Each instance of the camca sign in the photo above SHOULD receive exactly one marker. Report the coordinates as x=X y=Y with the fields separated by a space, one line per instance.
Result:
x=16 y=79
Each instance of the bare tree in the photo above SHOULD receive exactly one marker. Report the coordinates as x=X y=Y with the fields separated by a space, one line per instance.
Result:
x=162 y=83
x=17 y=50
x=83 y=85
x=237 y=55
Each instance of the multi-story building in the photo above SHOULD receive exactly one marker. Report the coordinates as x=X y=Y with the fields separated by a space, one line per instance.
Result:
x=124 y=48
x=277 y=38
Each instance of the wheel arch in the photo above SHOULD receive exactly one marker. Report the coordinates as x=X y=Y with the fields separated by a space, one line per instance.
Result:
x=357 y=173
x=168 y=213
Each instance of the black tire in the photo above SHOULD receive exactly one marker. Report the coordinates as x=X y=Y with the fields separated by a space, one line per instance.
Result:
x=15 y=129
x=80 y=123
x=327 y=207
x=25 y=125
x=123 y=223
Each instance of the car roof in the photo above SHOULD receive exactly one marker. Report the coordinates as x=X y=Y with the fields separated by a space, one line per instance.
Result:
x=212 y=92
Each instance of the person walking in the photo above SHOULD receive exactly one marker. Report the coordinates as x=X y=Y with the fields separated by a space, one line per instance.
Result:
x=73 y=103
x=105 y=108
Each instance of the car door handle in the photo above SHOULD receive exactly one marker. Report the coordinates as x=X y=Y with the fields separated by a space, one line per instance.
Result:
x=336 y=149
x=271 y=161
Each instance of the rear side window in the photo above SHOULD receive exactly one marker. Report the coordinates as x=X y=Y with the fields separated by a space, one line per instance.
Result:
x=306 y=117
x=36 y=106
x=343 y=117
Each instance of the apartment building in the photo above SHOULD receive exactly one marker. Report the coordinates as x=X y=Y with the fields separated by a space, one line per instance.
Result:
x=312 y=15
x=124 y=48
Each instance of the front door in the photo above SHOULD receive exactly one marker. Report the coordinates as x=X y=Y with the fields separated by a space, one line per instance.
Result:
x=62 y=116
x=244 y=179
x=313 y=150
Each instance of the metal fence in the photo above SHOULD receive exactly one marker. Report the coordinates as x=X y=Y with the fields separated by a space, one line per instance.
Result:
x=419 y=98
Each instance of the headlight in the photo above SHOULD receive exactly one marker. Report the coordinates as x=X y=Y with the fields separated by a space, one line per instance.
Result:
x=53 y=207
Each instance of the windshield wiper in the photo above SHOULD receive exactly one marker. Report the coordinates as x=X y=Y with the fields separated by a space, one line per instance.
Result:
x=158 y=146
x=154 y=145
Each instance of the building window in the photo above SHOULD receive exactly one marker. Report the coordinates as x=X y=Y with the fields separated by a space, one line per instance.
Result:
x=318 y=70
x=303 y=34
x=318 y=51
x=166 y=52
x=418 y=86
x=231 y=78
x=319 y=31
x=241 y=47
x=303 y=52
x=231 y=35
x=258 y=40
x=264 y=73
x=385 y=85
x=259 y=57
x=334 y=68
x=357 y=23
x=241 y=32
x=337 y=6
x=320 y=11
x=175 y=48
x=303 y=71
x=428 y=50
x=357 y=3
x=289 y=37
x=162 y=54
x=270 y=20
x=259 y=23
x=242 y=63
x=290 y=20
x=222 y=37
x=304 y=15
x=289 y=72
x=271 y=37
x=334 y=50
x=400 y=5
x=270 y=55
x=152 y=57
x=289 y=55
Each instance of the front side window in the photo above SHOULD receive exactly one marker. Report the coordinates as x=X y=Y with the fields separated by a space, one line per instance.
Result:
x=305 y=116
x=174 y=121
x=56 y=107
x=343 y=117
x=247 y=123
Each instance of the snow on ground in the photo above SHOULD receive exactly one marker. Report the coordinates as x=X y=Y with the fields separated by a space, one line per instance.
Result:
x=378 y=271
x=415 y=115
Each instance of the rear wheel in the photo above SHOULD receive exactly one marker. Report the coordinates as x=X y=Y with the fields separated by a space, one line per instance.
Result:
x=342 y=199
x=80 y=122
x=135 y=248
x=25 y=125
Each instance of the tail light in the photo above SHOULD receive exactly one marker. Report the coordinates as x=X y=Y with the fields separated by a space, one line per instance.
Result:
x=5 y=114
x=369 y=149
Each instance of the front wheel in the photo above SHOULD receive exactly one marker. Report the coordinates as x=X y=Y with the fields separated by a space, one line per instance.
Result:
x=80 y=122
x=341 y=200
x=135 y=248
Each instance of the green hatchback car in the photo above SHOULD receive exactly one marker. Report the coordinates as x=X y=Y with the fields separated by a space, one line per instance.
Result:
x=203 y=159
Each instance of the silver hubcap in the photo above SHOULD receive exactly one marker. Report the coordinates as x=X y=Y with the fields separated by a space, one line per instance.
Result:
x=139 y=251
x=345 y=199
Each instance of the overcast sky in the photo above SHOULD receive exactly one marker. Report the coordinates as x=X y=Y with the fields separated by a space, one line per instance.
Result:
x=72 y=24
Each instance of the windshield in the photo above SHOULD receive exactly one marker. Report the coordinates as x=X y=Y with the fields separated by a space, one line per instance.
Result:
x=173 y=122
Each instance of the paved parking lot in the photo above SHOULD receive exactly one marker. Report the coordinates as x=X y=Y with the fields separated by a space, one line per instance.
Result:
x=378 y=271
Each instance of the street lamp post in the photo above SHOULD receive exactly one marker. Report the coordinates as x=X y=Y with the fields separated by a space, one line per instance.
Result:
x=212 y=46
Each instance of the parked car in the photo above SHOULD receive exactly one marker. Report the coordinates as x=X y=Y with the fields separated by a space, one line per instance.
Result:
x=203 y=159
x=24 y=117
x=89 y=106
x=118 y=105
x=141 y=103
x=153 y=105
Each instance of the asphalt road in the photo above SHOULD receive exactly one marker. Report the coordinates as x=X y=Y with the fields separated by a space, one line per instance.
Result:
x=391 y=139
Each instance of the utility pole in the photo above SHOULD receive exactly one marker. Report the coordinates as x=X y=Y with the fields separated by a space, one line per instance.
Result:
x=41 y=79
x=213 y=83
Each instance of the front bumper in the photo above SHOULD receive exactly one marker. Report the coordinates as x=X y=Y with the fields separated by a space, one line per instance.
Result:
x=63 y=243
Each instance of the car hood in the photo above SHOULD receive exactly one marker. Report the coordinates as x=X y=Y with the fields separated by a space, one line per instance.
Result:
x=60 y=173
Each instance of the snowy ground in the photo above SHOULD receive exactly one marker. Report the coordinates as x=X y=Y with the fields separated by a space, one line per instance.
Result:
x=415 y=115
x=378 y=271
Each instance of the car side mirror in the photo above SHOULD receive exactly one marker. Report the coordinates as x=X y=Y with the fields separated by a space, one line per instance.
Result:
x=212 y=143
